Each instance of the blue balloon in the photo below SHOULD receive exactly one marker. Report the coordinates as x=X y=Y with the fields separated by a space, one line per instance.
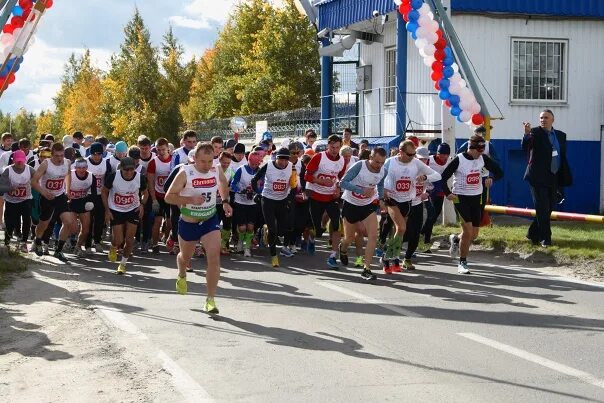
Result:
x=455 y=110
x=459 y=119
x=448 y=51
x=415 y=4
x=412 y=26
x=444 y=94
x=20 y=60
x=448 y=72
x=413 y=15
x=414 y=35
x=17 y=67
x=448 y=61
x=454 y=100
x=18 y=11
x=444 y=83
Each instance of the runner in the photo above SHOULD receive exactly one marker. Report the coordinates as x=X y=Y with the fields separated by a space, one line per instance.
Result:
x=217 y=143
x=245 y=209
x=194 y=189
x=297 y=201
x=434 y=206
x=277 y=179
x=81 y=190
x=225 y=161
x=124 y=208
x=402 y=173
x=158 y=171
x=97 y=167
x=49 y=180
x=467 y=194
x=121 y=151
x=361 y=200
x=16 y=181
x=322 y=174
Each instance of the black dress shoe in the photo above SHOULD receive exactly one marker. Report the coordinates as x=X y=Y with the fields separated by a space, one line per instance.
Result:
x=533 y=241
x=546 y=244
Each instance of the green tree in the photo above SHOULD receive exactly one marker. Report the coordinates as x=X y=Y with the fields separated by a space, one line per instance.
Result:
x=68 y=80
x=24 y=125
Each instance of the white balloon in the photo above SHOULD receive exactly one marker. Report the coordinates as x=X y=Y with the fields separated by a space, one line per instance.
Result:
x=431 y=15
x=422 y=53
x=432 y=37
x=465 y=115
x=429 y=50
x=7 y=39
x=421 y=43
x=454 y=89
x=423 y=21
x=462 y=83
x=475 y=108
x=465 y=93
x=424 y=9
x=434 y=26
x=455 y=67
x=429 y=60
x=455 y=78
x=422 y=32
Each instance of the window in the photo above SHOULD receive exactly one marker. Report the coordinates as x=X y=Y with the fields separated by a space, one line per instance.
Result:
x=539 y=70
x=390 y=79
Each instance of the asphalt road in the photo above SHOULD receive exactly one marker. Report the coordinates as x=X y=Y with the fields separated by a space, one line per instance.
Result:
x=307 y=333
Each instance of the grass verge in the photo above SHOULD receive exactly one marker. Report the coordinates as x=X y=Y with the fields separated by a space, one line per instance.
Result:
x=572 y=241
x=11 y=264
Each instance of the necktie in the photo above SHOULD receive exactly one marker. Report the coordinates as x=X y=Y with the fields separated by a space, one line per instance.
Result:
x=555 y=165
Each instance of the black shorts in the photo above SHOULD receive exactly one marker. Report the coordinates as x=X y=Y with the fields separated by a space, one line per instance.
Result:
x=469 y=209
x=332 y=208
x=404 y=207
x=354 y=214
x=244 y=214
x=78 y=206
x=164 y=208
x=130 y=217
x=56 y=206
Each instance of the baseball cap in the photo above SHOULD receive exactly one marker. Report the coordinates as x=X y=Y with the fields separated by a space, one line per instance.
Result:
x=230 y=143
x=283 y=153
x=19 y=156
x=134 y=153
x=239 y=148
x=121 y=147
x=96 y=148
x=127 y=163
x=267 y=136
x=423 y=153
x=444 y=148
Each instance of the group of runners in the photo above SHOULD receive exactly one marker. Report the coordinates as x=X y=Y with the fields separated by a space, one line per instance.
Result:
x=217 y=199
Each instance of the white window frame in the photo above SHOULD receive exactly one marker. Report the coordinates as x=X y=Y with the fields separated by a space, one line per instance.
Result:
x=389 y=92
x=564 y=54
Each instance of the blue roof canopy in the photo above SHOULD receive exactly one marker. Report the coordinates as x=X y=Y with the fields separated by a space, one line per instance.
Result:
x=334 y=14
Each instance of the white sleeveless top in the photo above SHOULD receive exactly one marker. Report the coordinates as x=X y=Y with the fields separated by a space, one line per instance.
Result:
x=400 y=181
x=53 y=180
x=467 y=180
x=327 y=169
x=20 y=185
x=114 y=162
x=436 y=166
x=124 y=195
x=245 y=182
x=276 y=181
x=200 y=184
x=162 y=171
x=365 y=179
x=79 y=189
x=99 y=171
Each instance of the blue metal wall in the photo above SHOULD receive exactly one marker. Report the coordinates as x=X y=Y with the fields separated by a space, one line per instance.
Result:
x=335 y=14
x=582 y=197
x=564 y=8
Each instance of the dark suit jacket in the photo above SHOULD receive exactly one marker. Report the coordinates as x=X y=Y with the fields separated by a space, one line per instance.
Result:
x=539 y=149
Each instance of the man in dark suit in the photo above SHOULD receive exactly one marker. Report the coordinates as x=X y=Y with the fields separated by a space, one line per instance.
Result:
x=547 y=172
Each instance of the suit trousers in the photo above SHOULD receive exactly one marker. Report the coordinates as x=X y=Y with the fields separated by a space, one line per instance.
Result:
x=544 y=199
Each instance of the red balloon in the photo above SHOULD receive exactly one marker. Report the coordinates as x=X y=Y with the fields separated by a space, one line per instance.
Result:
x=406 y=17
x=447 y=103
x=8 y=29
x=26 y=4
x=437 y=76
x=17 y=22
x=440 y=43
x=11 y=78
x=478 y=119
x=404 y=8
x=2 y=80
x=49 y=3
x=436 y=86
x=439 y=32
x=439 y=55
x=438 y=66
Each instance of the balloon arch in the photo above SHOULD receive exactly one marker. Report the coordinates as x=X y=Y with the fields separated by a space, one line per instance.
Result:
x=433 y=47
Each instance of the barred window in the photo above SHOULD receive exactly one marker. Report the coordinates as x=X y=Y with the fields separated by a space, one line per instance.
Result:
x=390 y=78
x=539 y=70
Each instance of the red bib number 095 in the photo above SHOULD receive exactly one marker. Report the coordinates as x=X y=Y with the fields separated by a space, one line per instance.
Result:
x=123 y=200
x=473 y=178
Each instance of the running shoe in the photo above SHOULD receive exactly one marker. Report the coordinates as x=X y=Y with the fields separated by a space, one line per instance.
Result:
x=80 y=252
x=121 y=269
x=37 y=249
x=454 y=248
x=293 y=249
x=144 y=247
x=112 y=254
x=247 y=252
x=89 y=251
x=386 y=265
x=239 y=247
x=343 y=255
x=396 y=266
x=275 y=261
x=59 y=255
x=333 y=263
x=155 y=250
x=311 y=247
x=286 y=252
x=45 y=250
x=181 y=285
x=462 y=268
x=210 y=306
x=359 y=261
x=368 y=275
x=23 y=247
x=407 y=265
x=379 y=252
x=170 y=246
x=98 y=247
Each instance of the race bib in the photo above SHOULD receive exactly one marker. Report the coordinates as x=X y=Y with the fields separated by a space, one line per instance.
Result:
x=326 y=176
x=203 y=182
x=55 y=184
x=279 y=186
x=19 y=192
x=403 y=185
x=360 y=196
x=123 y=200
x=99 y=182
x=78 y=194
x=473 y=178
x=419 y=190
x=161 y=180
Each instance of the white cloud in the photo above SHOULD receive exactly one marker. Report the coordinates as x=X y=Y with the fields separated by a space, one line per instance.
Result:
x=186 y=22
x=200 y=14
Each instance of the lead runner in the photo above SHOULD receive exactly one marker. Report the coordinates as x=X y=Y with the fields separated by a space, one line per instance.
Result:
x=194 y=190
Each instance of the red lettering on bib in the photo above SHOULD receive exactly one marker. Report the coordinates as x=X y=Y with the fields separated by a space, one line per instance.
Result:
x=403 y=185
x=279 y=186
x=419 y=190
x=55 y=184
x=359 y=196
x=77 y=194
x=20 y=191
x=326 y=176
x=99 y=182
x=473 y=178
x=123 y=200
x=161 y=180
x=203 y=183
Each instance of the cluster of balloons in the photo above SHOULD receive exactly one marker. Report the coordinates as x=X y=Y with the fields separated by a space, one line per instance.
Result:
x=429 y=39
x=14 y=35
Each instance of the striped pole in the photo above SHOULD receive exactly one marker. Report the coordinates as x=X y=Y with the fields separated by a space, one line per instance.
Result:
x=556 y=215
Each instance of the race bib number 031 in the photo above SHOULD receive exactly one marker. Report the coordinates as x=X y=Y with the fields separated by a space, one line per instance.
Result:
x=55 y=184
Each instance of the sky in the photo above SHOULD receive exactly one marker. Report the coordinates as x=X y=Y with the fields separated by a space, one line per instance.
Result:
x=71 y=26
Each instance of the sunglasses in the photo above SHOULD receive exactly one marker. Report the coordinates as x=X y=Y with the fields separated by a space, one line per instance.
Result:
x=411 y=155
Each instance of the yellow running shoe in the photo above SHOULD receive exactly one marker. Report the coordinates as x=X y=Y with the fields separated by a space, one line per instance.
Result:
x=210 y=306
x=359 y=261
x=121 y=269
x=275 y=261
x=112 y=254
x=181 y=285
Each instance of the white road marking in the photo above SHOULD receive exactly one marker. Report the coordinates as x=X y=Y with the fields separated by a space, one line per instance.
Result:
x=187 y=386
x=369 y=300
x=561 y=368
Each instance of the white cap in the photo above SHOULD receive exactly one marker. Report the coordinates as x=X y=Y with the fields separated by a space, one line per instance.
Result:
x=423 y=153
x=67 y=140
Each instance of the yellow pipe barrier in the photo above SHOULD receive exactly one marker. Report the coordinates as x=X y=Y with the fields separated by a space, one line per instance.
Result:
x=556 y=215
